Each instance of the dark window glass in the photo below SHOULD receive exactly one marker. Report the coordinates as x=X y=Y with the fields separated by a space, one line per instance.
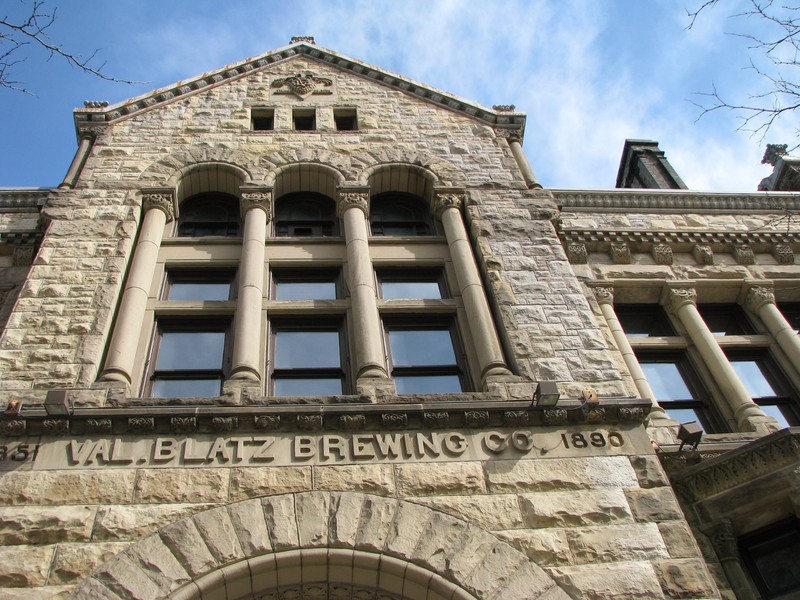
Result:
x=209 y=214
x=189 y=361
x=305 y=285
x=791 y=312
x=345 y=119
x=411 y=285
x=677 y=390
x=725 y=319
x=399 y=214
x=196 y=285
x=307 y=360
x=263 y=119
x=643 y=320
x=767 y=387
x=304 y=120
x=424 y=359
x=305 y=214
x=772 y=556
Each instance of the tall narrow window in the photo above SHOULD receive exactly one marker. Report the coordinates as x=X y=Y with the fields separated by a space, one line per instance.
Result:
x=189 y=359
x=307 y=358
x=772 y=556
x=209 y=214
x=399 y=214
x=305 y=214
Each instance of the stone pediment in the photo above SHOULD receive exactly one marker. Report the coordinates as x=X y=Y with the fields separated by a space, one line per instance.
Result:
x=303 y=84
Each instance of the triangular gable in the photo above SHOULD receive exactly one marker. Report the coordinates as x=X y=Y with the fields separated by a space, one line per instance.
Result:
x=99 y=113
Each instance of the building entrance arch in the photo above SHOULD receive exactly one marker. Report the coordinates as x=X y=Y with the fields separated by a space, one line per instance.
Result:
x=321 y=545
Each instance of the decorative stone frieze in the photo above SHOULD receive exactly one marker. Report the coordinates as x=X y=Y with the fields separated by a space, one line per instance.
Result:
x=604 y=294
x=436 y=420
x=141 y=425
x=783 y=253
x=267 y=422
x=349 y=200
x=303 y=85
x=758 y=296
x=577 y=254
x=516 y=418
x=183 y=424
x=512 y=135
x=723 y=537
x=97 y=426
x=394 y=420
x=595 y=415
x=257 y=199
x=744 y=254
x=225 y=424
x=55 y=427
x=352 y=422
x=662 y=254
x=309 y=422
x=476 y=418
x=620 y=253
x=555 y=416
x=161 y=201
x=631 y=414
x=703 y=254
x=23 y=256
x=306 y=39
x=12 y=427
x=504 y=107
x=444 y=200
x=91 y=132
x=677 y=297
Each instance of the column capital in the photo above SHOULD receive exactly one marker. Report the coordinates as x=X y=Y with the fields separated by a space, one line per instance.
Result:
x=676 y=298
x=91 y=132
x=256 y=197
x=444 y=198
x=604 y=294
x=512 y=135
x=161 y=200
x=352 y=197
x=723 y=537
x=758 y=296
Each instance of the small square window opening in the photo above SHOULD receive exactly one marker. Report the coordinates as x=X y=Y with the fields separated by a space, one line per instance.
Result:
x=345 y=119
x=263 y=119
x=304 y=120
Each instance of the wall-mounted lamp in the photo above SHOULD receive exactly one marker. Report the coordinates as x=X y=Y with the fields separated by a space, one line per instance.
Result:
x=57 y=404
x=690 y=433
x=546 y=394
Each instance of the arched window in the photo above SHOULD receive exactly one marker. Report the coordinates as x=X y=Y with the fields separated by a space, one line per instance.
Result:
x=209 y=214
x=305 y=214
x=399 y=214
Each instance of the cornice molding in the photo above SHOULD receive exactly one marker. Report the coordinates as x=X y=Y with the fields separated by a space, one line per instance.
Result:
x=24 y=200
x=600 y=241
x=675 y=200
x=187 y=87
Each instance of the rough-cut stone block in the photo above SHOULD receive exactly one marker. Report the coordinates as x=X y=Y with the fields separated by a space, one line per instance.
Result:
x=182 y=485
x=648 y=471
x=345 y=518
x=45 y=525
x=130 y=522
x=679 y=539
x=617 y=543
x=75 y=561
x=574 y=508
x=377 y=515
x=371 y=479
x=53 y=592
x=281 y=521
x=250 y=527
x=560 y=473
x=529 y=581
x=440 y=540
x=312 y=510
x=266 y=481
x=685 y=579
x=424 y=479
x=186 y=543
x=630 y=580
x=657 y=504
x=126 y=579
x=495 y=571
x=217 y=531
x=59 y=487
x=547 y=547
x=157 y=560
x=22 y=566
x=492 y=512
x=406 y=529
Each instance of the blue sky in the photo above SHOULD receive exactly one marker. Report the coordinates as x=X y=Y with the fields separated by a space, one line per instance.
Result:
x=588 y=73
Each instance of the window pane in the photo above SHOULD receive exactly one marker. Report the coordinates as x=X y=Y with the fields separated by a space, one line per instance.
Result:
x=683 y=415
x=724 y=319
x=305 y=290
x=179 y=350
x=186 y=388
x=421 y=347
x=401 y=290
x=427 y=384
x=753 y=379
x=666 y=381
x=199 y=290
x=773 y=410
x=307 y=349
x=643 y=321
x=308 y=387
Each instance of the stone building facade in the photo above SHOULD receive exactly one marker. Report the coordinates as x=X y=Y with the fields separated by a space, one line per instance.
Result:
x=303 y=328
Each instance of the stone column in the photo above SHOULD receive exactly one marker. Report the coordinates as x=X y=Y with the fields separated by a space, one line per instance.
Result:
x=725 y=542
x=447 y=206
x=515 y=143
x=257 y=212
x=605 y=298
x=682 y=301
x=353 y=208
x=760 y=300
x=87 y=137
x=158 y=210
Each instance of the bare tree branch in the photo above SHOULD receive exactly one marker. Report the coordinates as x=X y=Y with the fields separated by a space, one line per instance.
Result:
x=31 y=31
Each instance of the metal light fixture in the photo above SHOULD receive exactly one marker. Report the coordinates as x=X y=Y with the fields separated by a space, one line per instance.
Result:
x=546 y=394
x=690 y=433
x=57 y=404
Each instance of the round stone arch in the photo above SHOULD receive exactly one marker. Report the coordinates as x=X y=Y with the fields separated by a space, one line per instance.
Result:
x=305 y=177
x=373 y=547
x=274 y=162
x=168 y=170
x=443 y=172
